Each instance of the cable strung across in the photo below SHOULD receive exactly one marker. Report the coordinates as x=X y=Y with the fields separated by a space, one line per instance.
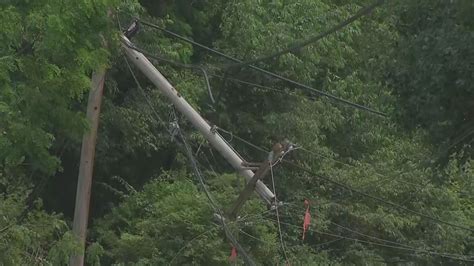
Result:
x=268 y=73
x=386 y=202
x=297 y=46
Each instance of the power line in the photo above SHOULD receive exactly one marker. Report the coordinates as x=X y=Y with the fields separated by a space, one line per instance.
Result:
x=198 y=174
x=268 y=242
x=434 y=219
x=266 y=72
x=369 y=236
x=384 y=240
x=242 y=140
x=248 y=260
x=189 y=242
x=253 y=237
x=386 y=202
x=319 y=155
x=263 y=87
x=178 y=64
x=259 y=148
x=394 y=246
x=297 y=46
x=311 y=152
x=294 y=246
x=353 y=166
x=359 y=192
x=282 y=243
x=362 y=234
x=142 y=91
x=206 y=75
x=354 y=190
x=243 y=219
x=446 y=255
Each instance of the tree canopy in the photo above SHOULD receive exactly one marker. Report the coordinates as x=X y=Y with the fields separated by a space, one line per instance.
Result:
x=392 y=189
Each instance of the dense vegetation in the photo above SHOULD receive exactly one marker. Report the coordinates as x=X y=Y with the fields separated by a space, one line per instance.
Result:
x=412 y=60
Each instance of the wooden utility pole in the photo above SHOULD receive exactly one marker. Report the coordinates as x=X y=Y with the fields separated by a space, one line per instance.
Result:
x=209 y=132
x=86 y=167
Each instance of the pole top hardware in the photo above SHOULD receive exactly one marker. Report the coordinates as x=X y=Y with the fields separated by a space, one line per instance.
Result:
x=132 y=30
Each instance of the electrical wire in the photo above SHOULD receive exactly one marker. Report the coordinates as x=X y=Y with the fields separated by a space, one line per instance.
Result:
x=212 y=230
x=320 y=155
x=354 y=190
x=394 y=246
x=282 y=243
x=266 y=72
x=262 y=87
x=267 y=242
x=206 y=75
x=400 y=246
x=178 y=64
x=400 y=207
x=189 y=242
x=142 y=91
x=354 y=167
x=446 y=255
x=242 y=140
x=434 y=219
x=369 y=236
x=248 y=260
x=263 y=150
x=362 y=234
x=349 y=188
x=253 y=237
x=228 y=144
x=298 y=45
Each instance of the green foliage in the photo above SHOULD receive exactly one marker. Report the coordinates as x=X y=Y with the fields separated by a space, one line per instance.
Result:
x=63 y=249
x=31 y=236
x=369 y=154
x=94 y=252
x=48 y=50
x=170 y=221
x=411 y=60
x=431 y=69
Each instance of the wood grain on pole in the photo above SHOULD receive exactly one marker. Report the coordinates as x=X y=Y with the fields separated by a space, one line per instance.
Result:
x=249 y=187
x=86 y=167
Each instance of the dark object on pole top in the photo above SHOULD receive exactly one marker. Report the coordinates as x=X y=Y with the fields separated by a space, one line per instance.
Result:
x=132 y=30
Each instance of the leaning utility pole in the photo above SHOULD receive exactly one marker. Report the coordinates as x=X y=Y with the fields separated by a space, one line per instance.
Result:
x=193 y=116
x=261 y=170
x=86 y=167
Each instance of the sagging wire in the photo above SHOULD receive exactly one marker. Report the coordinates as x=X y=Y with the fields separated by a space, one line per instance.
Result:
x=178 y=64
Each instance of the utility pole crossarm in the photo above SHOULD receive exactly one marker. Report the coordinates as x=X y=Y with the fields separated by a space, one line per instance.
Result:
x=273 y=156
x=249 y=187
x=147 y=68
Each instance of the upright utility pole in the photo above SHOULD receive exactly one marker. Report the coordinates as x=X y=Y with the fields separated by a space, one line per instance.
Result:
x=193 y=116
x=86 y=167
